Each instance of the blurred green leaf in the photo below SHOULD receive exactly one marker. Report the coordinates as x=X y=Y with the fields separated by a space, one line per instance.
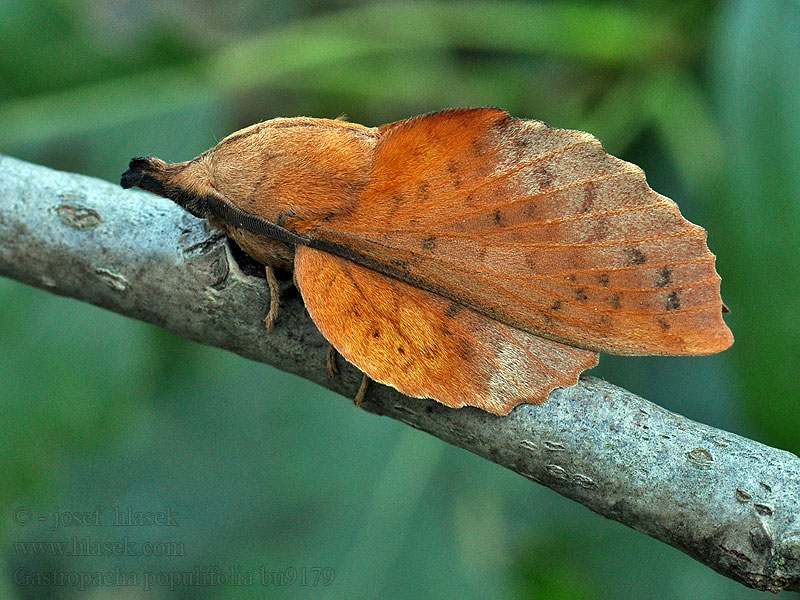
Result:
x=63 y=47
x=554 y=570
x=680 y=112
x=619 y=116
x=602 y=34
x=400 y=488
x=758 y=91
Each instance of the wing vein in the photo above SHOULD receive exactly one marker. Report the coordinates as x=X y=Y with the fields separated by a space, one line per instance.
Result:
x=625 y=169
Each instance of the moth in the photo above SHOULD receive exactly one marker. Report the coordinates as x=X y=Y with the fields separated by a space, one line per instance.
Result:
x=464 y=255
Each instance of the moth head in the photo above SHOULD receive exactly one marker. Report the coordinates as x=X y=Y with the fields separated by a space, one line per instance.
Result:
x=185 y=183
x=227 y=171
x=302 y=167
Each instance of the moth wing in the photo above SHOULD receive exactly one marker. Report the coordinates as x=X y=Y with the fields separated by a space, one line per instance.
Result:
x=425 y=345
x=539 y=228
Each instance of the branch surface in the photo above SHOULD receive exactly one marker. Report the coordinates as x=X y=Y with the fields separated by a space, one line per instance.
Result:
x=729 y=502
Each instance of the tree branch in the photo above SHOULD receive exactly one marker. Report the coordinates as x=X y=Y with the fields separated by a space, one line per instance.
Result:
x=727 y=501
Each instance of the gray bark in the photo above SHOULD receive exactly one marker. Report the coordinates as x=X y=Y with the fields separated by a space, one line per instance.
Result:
x=729 y=502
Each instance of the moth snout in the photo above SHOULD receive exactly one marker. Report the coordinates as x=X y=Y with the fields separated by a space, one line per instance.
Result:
x=140 y=162
x=146 y=172
x=133 y=176
x=138 y=169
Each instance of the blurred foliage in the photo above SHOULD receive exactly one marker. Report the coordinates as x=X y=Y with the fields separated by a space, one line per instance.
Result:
x=267 y=470
x=758 y=92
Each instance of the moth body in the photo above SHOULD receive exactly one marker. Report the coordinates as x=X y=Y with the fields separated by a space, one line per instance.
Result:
x=463 y=255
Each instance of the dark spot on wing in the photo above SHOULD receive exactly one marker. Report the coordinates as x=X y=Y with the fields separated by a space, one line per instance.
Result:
x=664 y=277
x=673 y=301
x=429 y=243
x=530 y=209
x=401 y=350
x=570 y=277
x=664 y=324
x=452 y=166
x=496 y=216
x=376 y=334
x=615 y=300
x=545 y=178
x=423 y=190
x=397 y=201
x=530 y=261
x=580 y=294
x=603 y=321
x=589 y=196
x=556 y=305
x=602 y=279
x=600 y=229
x=465 y=350
x=521 y=142
x=452 y=310
x=399 y=263
x=636 y=256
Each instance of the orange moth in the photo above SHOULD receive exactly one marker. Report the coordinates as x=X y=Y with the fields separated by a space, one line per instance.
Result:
x=464 y=255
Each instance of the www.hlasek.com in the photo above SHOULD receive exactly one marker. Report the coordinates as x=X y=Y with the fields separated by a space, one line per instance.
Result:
x=205 y=576
x=89 y=546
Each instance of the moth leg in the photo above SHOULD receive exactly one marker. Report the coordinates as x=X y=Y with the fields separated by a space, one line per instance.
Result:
x=274 y=298
x=362 y=390
x=330 y=361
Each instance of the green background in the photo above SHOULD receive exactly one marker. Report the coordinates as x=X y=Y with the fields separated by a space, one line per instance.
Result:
x=267 y=471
